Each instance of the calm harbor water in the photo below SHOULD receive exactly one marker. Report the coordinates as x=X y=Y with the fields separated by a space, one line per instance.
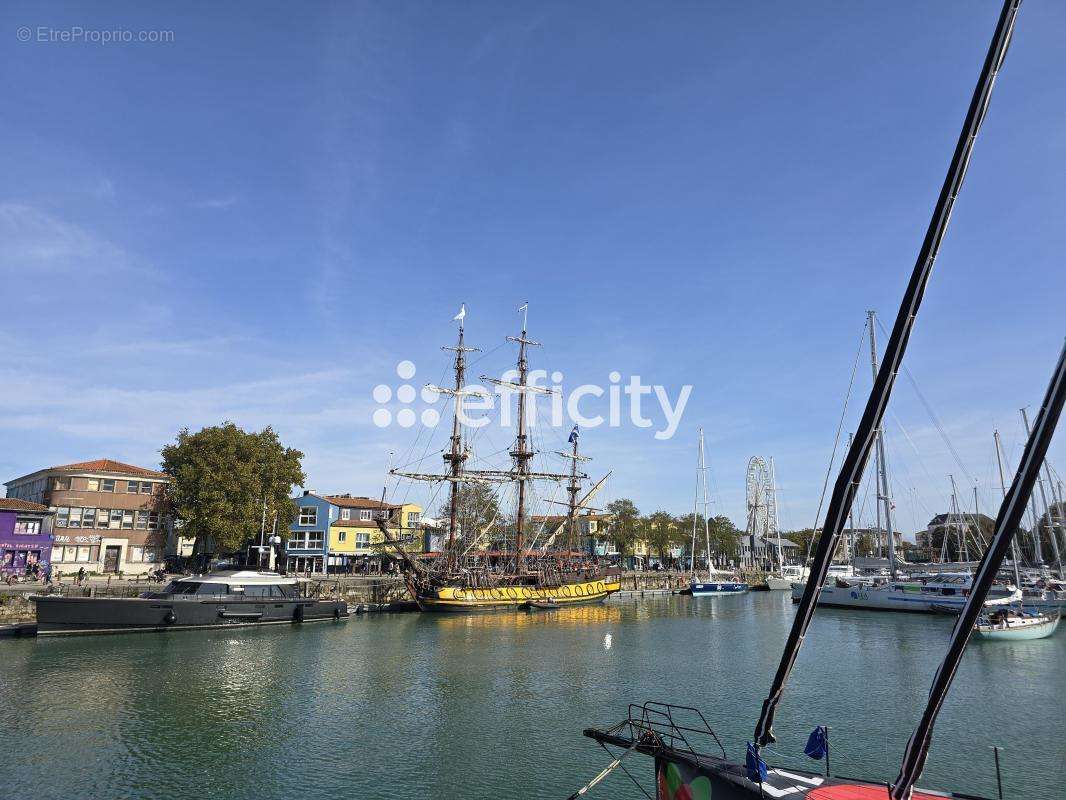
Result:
x=493 y=705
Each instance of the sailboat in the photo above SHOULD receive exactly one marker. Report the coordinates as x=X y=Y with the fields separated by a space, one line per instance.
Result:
x=690 y=759
x=465 y=579
x=787 y=575
x=717 y=582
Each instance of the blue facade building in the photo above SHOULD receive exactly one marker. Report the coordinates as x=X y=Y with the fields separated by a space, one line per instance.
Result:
x=307 y=549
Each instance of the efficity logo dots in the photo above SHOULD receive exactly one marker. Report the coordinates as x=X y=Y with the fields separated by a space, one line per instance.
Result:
x=405 y=395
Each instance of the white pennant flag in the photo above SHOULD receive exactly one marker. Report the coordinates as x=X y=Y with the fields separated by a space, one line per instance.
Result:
x=461 y=315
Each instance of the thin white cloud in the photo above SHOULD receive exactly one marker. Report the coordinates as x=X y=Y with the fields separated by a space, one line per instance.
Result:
x=34 y=241
x=217 y=203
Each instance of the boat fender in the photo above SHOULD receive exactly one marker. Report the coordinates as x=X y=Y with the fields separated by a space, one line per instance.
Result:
x=336 y=613
x=298 y=613
x=170 y=619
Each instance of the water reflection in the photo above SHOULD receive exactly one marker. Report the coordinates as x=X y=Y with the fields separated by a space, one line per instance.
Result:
x=400 y=706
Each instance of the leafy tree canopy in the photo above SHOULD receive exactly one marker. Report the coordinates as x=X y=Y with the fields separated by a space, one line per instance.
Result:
x=220 y=477
x=624 y=526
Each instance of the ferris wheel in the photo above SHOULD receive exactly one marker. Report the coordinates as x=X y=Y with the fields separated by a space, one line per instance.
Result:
x=762 y=499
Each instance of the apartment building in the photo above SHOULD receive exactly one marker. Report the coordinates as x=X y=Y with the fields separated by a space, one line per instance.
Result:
x=110 y=517
x=339 y=533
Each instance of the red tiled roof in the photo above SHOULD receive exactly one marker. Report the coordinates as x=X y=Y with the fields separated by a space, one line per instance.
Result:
x=355 y=523
x=356 y=502
x=13 y=504
x=108 y=465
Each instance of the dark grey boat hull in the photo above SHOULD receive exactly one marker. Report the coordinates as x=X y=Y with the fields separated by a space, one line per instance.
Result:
x=84 y=615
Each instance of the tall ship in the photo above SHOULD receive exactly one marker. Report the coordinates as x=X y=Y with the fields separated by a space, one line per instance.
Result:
x=503 y=565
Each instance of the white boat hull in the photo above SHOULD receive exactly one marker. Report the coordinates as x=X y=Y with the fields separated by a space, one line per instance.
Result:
x=884 y=598
x=1020 y=629
x=700 y=589
x=778 y=584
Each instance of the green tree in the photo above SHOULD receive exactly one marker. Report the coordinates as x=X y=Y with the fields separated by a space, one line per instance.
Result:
x=623 y=529
x=477 y=508
x=221 y=476
x=684 y=526
x=725 y=537
x=660 y=533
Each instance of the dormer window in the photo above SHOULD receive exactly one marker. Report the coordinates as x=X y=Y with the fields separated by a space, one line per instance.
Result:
x=366 y=515
x=346 y=513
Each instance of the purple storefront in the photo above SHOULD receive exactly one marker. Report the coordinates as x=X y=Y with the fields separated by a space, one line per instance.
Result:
x=25 y=536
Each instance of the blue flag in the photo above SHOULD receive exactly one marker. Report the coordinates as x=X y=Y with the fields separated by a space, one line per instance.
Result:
x=756 y=766
x=573 y=435
x=817 y=743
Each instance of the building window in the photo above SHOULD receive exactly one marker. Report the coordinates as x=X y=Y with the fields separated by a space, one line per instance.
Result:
x=142 y=521
x=107 y=485
x=57 y=554
x=346 y=513
x=92 y=484
x=413 y=519
x=88 y=518
x=27 y=527
x=62 y=516
x=151 y=554
x=75 y=518
x=314 y=540
x=362 y=540
x=153 y=521
x=146 y=487
x=102 y=515
x=136 y=553
x=365 y=515
x=342 y=536
x=127 y=520
x=132 y=487
x=116 y=518
x=308 y=515
x=61 y=484
x=83 y=553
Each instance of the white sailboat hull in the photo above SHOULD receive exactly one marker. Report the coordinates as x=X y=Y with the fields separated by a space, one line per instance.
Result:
x=1019 y=629
x=778 y=584
x=896 y=597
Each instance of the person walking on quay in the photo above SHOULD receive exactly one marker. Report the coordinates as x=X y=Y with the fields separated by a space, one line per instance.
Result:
x=81 y=576
x=48 y=574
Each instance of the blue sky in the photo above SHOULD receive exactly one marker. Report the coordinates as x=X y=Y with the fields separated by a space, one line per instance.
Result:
x=258 y=220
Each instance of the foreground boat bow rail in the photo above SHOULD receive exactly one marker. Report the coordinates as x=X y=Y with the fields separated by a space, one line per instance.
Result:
x=690 y=762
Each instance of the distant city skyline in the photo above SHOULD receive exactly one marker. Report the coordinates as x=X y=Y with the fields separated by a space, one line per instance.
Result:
x=710 y=195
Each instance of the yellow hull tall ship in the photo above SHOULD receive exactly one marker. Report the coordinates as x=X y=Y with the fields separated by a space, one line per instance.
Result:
x=461 y=598
x=531 y=574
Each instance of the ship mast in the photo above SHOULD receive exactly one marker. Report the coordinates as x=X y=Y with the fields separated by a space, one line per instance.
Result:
x=573 y=487
x=456 y=456
x=522 y=453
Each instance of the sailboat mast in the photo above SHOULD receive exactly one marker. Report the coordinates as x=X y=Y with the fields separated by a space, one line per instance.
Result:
x=882 y=468
x=1047 y=509
x=706 y=508
x=1038 y=547
x=1003 y=488
x=771 y=522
